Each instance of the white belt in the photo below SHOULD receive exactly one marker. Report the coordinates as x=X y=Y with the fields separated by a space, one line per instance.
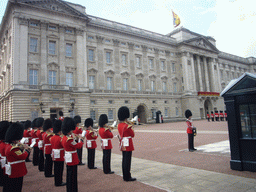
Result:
x=105 y=139
x=15 y=162
x=70 y=151
x=127 y=137
x=91 y=140
x=47 y=144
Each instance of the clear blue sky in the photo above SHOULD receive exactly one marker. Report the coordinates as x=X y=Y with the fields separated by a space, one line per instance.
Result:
x=231 y=22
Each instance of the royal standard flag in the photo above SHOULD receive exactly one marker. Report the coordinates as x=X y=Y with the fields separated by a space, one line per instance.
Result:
x=176 y=19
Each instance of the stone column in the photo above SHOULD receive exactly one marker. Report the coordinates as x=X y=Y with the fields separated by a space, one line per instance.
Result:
x=44 y=43
x=217 y=78
x=199 y=73
x=206 y=74
x=185 y=73
x=62 y=57
x=193 y=87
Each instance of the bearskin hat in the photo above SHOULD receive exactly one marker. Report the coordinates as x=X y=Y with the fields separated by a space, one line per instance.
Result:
x=68 y=125
x=27 y=124
x=33 y=123
x=123 y=113
x=60 y=113
x=77 y=119
x=47 y=124
x=57 y=126
x=188 y=113
x=103 y=120
x=4 y=125
x=211 y=112
x=39 y=122
x=88 y=122
x=14 y=132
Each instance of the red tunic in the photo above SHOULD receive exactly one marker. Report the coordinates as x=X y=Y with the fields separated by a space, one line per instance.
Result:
x=221 y=115
x=212 y=115
x=27 y=134
x=105 y=133
x=61 y=118
x=2 y=153
x=16 y=158
x=190 y=126
x=78 y=131
x=70 y=146
x=57 y=145
x=47 y=144
x=91 y=137
x=216 y=114
x=126 y=131
x=39 y=134
x=34 y=136
x=208 y=116
x=225 y=114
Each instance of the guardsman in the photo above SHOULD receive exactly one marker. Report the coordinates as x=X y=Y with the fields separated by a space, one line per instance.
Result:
x=212 y=115
x=77 y=132
x=217 y=115
x=27 y=135
x=226 y=116
x=221 y=116
x=61 y=116
x=34 y=143
x=15 y=154
x=47 y=148
x=4 y=125
x=39 y=133
x=57 y=153
x=106 y=144
x=208 y=116
x=126 y=133
x=190 y=127
x=91 y=144
x=71 y=157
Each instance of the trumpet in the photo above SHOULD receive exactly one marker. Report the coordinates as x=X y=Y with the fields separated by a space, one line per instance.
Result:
x=23 y=146
x=111 y=127
x=133 y=120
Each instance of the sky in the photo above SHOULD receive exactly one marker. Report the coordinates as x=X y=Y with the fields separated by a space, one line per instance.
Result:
x=232 y=23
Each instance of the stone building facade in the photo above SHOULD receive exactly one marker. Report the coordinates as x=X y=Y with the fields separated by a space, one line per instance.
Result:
x=56 y=57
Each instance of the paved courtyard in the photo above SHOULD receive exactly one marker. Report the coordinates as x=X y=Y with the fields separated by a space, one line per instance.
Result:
x=161 y=162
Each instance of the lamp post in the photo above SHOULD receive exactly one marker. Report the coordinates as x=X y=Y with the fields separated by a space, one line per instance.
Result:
x=41 y=107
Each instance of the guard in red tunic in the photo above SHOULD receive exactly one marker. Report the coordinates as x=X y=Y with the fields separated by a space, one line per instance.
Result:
x=4 y=125
x=190 y=127
x=106 y=136
x=126 y=133
x=226 y=116
x=217 y=116
x=27 y=136
x=61 y=116
x=77 y=132
x=221 y=116
x=212 y=115
x=71 y=157
x=208 y=116
x=39 y=133
x=47 y=147
x=15 y=155
x=91 y=144
x=57 y=153
x=34 y=143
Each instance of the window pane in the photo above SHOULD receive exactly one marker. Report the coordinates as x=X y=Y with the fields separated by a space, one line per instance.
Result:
x=125 y=84
x=69 y=79
x=123 y=59
x=91 y=54
x=33 y=77
x=52 y=47
x=52 y=77
x=93 y=114
x=109 y=83
x=138 y=62
x=91 y=82
x=33 y=45
x=139 y=84
x=68 y=50
x=245 y=121
x=110 y=114
x=108 y=57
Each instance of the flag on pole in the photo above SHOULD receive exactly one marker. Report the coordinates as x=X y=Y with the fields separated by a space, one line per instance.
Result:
x=176 y=19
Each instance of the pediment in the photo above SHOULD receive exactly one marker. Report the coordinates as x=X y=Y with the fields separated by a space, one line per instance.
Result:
x=152 y=76
x=125 y=74
x=110 y=72
x=244 y=84
x=92 y=71
x=139 y=75
x=54 y=5
x=202 y=43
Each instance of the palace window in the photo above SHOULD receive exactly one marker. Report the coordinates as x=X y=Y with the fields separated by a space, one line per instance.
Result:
x=177 y=111
x=163 y=67
x=153 y=85
x=33 y=77
x=91 y=82
x=93 y=114
x=151 y=64
x=139 y=84
x=110 y=114
x=125 y=84
x=34 y=114
x=166 y=112
x=33 y=44
x=175 y=87
x=52 y=77
x=69 y=50
x=69 y=79
x=52 y=47
x=52 y=27
x=138 y=62
x=69 y=31
x=173 y=68
x=108 y=57
x=164 y=86
x=124 y=59
x=109 y=83
x=91 y=55
x=153 y=113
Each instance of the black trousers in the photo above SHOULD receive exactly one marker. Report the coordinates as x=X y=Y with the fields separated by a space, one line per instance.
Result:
x=106 y=160
x=41 y=160
x=1 y=176
x=208 y=119
x=13 y=185
x=35 y=155
x=72 y=178
x=191 y=141
x=27 y=159
x=90 y=158
x=48 y=165
x=126 y=165
x=213 y=119
x=80 y=153
x=58 y=172
x=5 y=181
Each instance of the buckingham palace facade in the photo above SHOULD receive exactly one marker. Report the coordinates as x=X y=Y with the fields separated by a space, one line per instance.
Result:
x=54 y=57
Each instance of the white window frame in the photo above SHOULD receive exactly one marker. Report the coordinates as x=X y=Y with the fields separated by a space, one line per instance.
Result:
x=91 y=55
x=52 y=47
x=153 y=85
x=108 y=57
x=52 y=77
x=91 y=82
x=139 y=84
x=33 y=43
x=151 y=63
x=109 y=83
x=124 y=59
x=93 y=114
x=163 y=66
x=110 y=114
x=125 y=84
x=69 y=79
x=69 y=49
x=33 y=76
x=164 y=86
x=138 y=61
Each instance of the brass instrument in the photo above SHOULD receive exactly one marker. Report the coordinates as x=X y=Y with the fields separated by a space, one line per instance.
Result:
x=23 y=146
x=111 y=127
